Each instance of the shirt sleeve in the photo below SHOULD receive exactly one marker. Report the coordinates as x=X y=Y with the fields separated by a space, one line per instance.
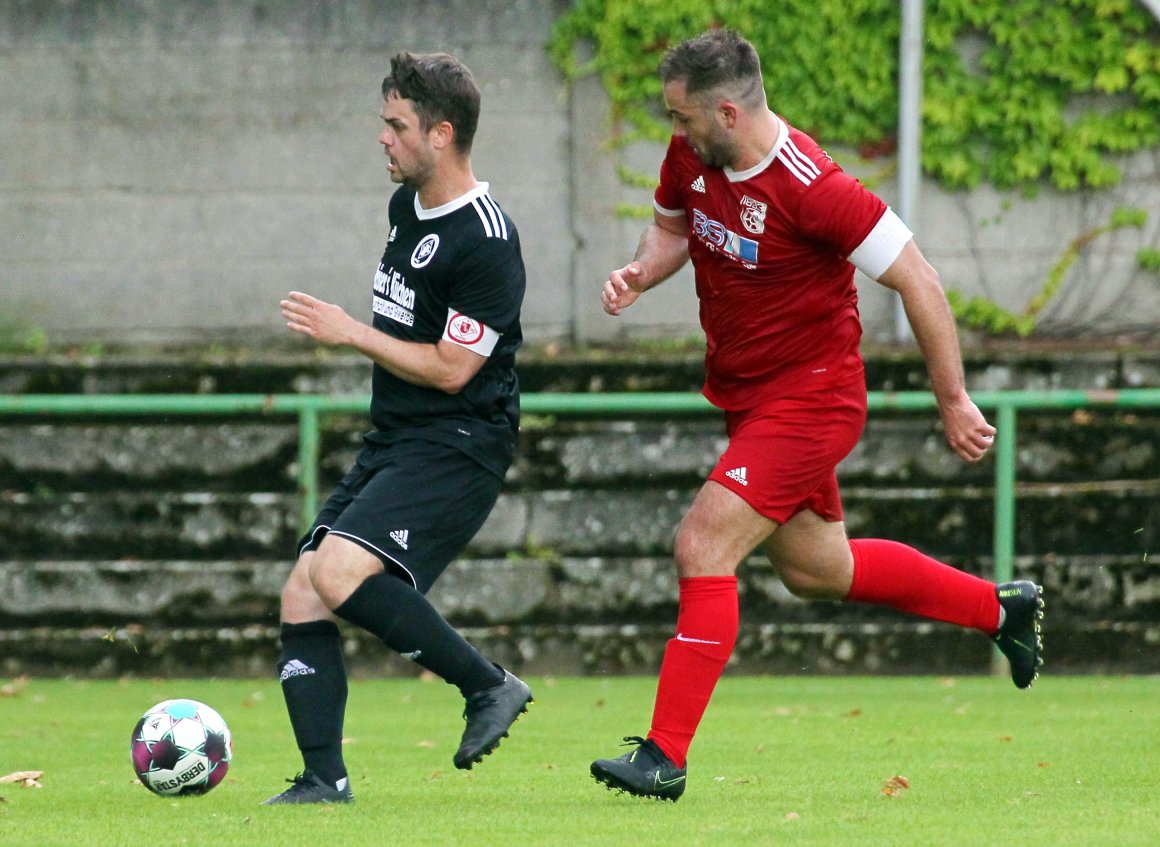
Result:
x=840 y=213
x=669 y=198
x=882 y=246
x=485 y=299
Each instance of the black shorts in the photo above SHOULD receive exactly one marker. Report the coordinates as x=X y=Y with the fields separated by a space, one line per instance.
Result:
x=414 y=504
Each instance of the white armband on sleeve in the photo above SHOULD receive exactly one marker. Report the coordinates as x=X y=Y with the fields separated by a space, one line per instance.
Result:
x=668 y=213
x=881 y=247
x=470 y=333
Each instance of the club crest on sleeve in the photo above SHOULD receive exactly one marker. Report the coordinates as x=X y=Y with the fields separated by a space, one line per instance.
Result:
x=463 y=329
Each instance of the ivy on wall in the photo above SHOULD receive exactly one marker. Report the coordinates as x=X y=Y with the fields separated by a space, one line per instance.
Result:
x=984 y=314
x=1017 y=93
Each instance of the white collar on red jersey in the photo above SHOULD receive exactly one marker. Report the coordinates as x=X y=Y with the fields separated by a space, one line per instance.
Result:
x=749 y=173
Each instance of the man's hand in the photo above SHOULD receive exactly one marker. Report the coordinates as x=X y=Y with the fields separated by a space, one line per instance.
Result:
x=967 y=431
x=324 y=322
x=618 y=292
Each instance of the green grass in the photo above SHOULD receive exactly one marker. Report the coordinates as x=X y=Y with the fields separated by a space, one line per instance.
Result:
x=778 y=761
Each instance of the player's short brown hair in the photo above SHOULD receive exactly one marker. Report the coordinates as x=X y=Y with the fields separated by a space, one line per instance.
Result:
x=440 y=88
x=718 y=61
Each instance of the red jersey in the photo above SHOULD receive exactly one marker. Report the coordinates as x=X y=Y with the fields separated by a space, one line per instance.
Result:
x=769 y=248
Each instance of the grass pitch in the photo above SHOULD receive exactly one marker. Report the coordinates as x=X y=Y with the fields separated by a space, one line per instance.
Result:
x=809 y=761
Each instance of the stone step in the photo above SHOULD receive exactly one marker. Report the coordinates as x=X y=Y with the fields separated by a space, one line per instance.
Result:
x=505 y=592
x=1121 y=517
x=833 y=647
x=262 y=454
x=279 y=365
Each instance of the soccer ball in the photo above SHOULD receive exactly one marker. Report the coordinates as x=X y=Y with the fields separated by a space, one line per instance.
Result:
x=181 y=747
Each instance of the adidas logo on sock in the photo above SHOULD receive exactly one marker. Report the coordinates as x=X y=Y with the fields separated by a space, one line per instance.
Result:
x=698 y=184
x=399 y=536
x=295 y=668
x=737 y=475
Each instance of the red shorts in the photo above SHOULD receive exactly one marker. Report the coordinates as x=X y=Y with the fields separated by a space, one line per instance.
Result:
x=782 y=456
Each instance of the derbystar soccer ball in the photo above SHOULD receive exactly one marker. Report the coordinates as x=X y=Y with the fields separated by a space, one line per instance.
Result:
x=181 y=747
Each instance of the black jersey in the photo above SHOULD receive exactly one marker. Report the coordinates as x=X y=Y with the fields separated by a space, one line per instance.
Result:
x=454 y=273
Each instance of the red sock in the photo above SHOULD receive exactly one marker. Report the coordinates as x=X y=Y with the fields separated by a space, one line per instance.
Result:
x=887 y=573
x=694 y=660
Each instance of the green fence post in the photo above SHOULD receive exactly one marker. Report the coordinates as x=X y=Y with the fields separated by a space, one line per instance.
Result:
x=308 y=451
x=1003 y=539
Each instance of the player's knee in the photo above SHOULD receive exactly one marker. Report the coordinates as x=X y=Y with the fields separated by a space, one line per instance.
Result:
x=323 y=580
x=691 y=552
x=698 y=554
x=299 y=599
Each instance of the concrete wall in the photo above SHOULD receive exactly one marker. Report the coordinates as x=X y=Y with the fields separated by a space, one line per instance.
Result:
x=172 y=169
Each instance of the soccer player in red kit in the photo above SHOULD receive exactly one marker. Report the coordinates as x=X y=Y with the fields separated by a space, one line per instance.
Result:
x=774 y=230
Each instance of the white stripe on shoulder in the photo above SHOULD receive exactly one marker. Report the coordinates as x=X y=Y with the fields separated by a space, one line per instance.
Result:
x=497 y=213
x=484 y=218
x=798 y=163
x=805 y=161
x=493 y=222
x=794 y=168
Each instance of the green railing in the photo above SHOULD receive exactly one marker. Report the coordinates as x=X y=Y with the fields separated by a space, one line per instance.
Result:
x=309 y=408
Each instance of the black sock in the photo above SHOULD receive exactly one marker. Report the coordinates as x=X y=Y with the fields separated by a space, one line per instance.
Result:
x=313 y=681
x=405 y=621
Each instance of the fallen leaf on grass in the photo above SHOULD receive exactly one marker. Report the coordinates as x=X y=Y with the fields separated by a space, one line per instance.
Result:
x=14 y=688
x=792 y=816
x=853 y=713
x=25 y=779
x=895 y=786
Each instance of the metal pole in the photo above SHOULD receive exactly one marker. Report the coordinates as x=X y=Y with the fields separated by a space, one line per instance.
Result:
x=910 y=49
x=309 y=450
x=1003 y=537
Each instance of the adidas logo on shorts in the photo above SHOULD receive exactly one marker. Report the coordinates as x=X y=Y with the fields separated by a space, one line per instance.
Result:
x=737 y=475
x=399 y=536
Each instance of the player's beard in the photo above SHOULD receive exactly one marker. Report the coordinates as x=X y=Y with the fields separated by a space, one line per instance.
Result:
x=718 y=150
x=418 y=173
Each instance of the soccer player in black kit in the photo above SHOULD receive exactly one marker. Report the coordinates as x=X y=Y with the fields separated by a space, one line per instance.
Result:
x=445 y=408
